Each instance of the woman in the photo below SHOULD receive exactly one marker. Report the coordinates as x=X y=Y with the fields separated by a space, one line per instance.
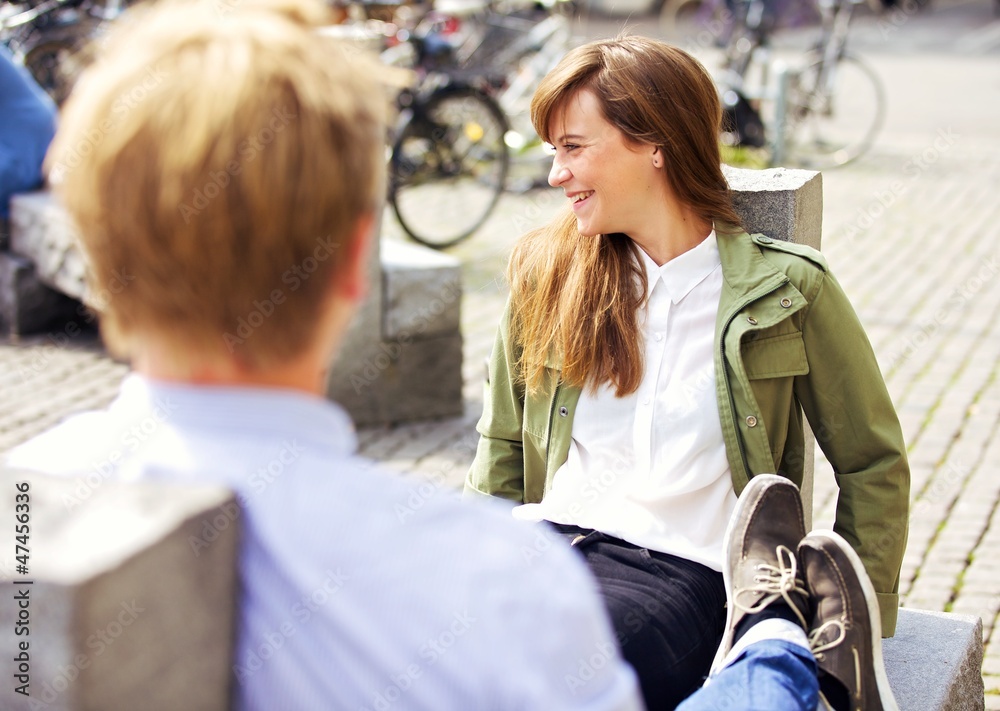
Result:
x=653 y=357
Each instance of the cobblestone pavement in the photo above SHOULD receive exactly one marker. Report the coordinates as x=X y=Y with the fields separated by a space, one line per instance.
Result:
x=913 y=233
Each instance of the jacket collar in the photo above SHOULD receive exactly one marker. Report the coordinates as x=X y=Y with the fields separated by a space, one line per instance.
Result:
x=746 y=273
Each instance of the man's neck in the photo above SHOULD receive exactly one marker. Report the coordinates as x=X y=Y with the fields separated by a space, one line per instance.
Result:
x=305 y=374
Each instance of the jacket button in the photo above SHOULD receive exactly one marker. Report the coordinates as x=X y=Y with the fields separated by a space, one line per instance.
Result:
x=751 y=421
x=751 y=320
x=563 y=411
x=764 y=240
x=786 y=303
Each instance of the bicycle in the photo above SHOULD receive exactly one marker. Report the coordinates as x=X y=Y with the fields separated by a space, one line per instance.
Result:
x=478 y=65
x=826 y=113
x=700 y=22
x=50 y=38
x=448 y=160
x=516 y=48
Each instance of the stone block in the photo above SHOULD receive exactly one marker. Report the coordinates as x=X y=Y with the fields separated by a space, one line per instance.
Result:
x=414 y=295
x=133 y=595
x=42 y=231
x=399 y=381
x=934 y=660
x=422 y=292
x=403 y=359
x=27 y=305
x=779 y=202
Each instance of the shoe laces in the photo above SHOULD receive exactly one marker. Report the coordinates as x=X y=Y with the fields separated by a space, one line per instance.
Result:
x=775 y=581
x=816 y=643
x=818 y=646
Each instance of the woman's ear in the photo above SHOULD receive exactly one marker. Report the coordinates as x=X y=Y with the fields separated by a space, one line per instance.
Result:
x=657 y=157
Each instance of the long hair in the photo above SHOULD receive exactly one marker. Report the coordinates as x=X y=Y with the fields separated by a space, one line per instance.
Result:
x=578 y=299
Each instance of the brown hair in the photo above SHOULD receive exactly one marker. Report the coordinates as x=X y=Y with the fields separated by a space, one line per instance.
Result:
x=578 y=298
x=219 y=157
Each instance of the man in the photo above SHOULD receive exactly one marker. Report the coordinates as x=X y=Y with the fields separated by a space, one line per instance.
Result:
x=205 y=158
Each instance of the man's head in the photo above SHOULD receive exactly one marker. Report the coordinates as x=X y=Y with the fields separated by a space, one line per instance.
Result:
x=222 y=162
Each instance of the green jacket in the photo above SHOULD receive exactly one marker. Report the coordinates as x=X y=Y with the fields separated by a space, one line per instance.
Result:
x=787 y=342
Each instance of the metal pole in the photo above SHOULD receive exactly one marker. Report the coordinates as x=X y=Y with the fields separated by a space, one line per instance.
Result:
x=784 y=77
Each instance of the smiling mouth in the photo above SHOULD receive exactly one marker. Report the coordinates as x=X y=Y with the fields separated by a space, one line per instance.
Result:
x=582 y=196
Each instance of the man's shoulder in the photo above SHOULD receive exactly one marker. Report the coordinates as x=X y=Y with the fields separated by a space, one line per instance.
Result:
x=72 y=448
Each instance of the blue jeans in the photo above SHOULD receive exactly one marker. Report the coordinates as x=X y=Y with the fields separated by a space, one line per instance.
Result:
x=768 y=675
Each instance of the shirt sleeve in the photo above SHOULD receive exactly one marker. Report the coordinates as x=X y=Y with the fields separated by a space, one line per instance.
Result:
x=566 y=654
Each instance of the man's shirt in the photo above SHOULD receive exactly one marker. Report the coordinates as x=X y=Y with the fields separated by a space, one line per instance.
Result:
x=361 y=590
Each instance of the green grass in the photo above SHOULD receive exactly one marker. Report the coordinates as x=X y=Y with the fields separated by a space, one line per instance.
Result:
x=744 y=157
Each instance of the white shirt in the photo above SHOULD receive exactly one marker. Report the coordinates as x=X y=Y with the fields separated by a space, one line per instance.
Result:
x=651 y=468
x=361 y=590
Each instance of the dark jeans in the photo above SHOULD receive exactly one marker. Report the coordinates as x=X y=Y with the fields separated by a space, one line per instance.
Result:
x=668 y=613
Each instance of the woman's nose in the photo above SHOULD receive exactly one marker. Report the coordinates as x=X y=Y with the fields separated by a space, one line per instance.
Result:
x=558 y=174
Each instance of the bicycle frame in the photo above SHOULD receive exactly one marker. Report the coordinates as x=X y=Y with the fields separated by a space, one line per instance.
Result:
x=836 y=21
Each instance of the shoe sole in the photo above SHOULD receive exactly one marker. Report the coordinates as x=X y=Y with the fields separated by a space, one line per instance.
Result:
x=886 y=697
x=742 y=504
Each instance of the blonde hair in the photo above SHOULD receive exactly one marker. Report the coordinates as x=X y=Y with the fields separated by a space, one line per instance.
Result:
x=216 y=159
x=579 y=299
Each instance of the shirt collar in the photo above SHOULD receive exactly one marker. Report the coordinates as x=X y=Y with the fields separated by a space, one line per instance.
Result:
x=246 y=409
x=684 y=272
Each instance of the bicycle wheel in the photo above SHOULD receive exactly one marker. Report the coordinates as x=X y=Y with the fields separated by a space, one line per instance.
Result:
x=55 y=66
x=701 y=23
x=832 y=118
x=448 y=166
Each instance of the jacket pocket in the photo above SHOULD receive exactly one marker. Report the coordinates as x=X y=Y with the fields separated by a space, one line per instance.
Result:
x=775 y=357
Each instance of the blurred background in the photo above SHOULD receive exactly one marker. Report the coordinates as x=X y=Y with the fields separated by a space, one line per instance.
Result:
x=897 y=104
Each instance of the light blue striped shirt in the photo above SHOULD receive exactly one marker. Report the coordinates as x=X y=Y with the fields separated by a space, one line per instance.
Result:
x=361 y=590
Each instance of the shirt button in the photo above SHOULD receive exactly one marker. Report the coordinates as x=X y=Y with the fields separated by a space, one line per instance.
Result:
x=751 y=421
x=645 y=401
x=786 y=303
x=764 y=240
x=659 y=336
x=751 y=320
x=563 y=411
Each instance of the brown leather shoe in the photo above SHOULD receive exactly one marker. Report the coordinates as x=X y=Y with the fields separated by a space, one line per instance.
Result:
x=759 y=560
x=845 y=633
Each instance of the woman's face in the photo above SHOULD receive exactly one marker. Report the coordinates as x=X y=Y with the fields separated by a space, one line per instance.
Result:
x=612 y=183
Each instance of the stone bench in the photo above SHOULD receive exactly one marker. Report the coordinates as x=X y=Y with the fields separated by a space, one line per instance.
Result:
x=401 y=360
x=147 y=619
x=935 y=661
